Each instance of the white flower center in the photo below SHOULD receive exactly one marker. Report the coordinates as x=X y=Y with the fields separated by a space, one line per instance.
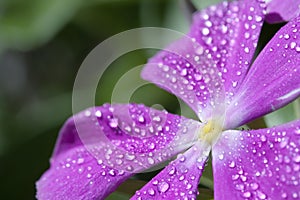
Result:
x=210 y=132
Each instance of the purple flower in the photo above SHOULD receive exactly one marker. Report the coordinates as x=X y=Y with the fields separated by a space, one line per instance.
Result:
x=209 y=69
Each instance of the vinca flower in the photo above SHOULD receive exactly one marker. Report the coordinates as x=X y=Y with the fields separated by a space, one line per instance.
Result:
x=211 y=70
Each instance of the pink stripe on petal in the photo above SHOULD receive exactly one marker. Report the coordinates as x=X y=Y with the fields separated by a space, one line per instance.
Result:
x=273 y=80
x=258 y=164
x=180 y=179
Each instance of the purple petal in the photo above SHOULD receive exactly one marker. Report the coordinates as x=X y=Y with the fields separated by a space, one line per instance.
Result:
x=113 y=141
x=76 y=174
x=258 y=164
x=273 y=80
x=180 y=178
x=212 y=59
x=279 y=11
x=229 y=32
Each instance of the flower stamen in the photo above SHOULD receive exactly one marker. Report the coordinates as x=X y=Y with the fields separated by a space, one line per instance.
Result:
x=210 y=132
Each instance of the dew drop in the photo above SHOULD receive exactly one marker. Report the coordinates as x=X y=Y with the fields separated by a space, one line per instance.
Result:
x=286 y=36
x=181 y=178
x=89 y=175
x=263 y=138
x=130 y=157
x=284 y=195
x=163 y=187
x=98 y=113
x=113 y=123
x=296 y=158
x=183 y=72
x=151 y=191
x=261 y=195
x=239 y=186
x=243 y=178
x=232 y=164
x=246 y=194
x=221 y=156
x=172 y=171
x=293 y=45
x=151 y=146
x=156 y=119
x=150 y=161
x=235 y=177
x=205 y=31
x=141 y=119
x=87 y=113
x=112 y=172
x=234 y=83
x=155 y=182
x=295 y=195
x=254 y=186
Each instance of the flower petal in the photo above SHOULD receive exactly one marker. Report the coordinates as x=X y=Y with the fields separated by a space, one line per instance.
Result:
x=273 y=80
x=278 y=11
x=100 y=147
x=76 y=174
x=229 y=32
x=180 y=178
x=212 y=59
x=258 y=164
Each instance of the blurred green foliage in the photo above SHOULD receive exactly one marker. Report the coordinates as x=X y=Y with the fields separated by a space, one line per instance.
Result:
x=42 y=45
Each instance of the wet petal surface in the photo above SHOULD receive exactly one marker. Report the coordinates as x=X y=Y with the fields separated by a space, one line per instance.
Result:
x=229 y=33
x=212 y=60
x=100 y=147
x=134 y=137
x=76 y=174
x=180 y=179
x=273 y=80
x=277 y=11
x=258 y=164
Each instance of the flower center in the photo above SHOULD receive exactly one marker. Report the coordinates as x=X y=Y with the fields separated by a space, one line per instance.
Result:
x=210 y=132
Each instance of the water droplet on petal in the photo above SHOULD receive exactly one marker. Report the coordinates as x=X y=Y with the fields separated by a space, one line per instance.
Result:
x=254 y=186
x=246 y=194
x=232 y=164
x=151 y=191
x=296 y=158
x=163 y=187
x=205 y=31
x=261 y=195
x=113 y=123
x=150 y=161
x=98 y=113
x=112 y=172
x=172 y=171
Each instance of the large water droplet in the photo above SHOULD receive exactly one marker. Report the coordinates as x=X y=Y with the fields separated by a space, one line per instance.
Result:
x=254 y=186
x=98 y=113
x=150 y=161
x=246 y=194
x=261 y=195
x=151 y=191
x=163 y=187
